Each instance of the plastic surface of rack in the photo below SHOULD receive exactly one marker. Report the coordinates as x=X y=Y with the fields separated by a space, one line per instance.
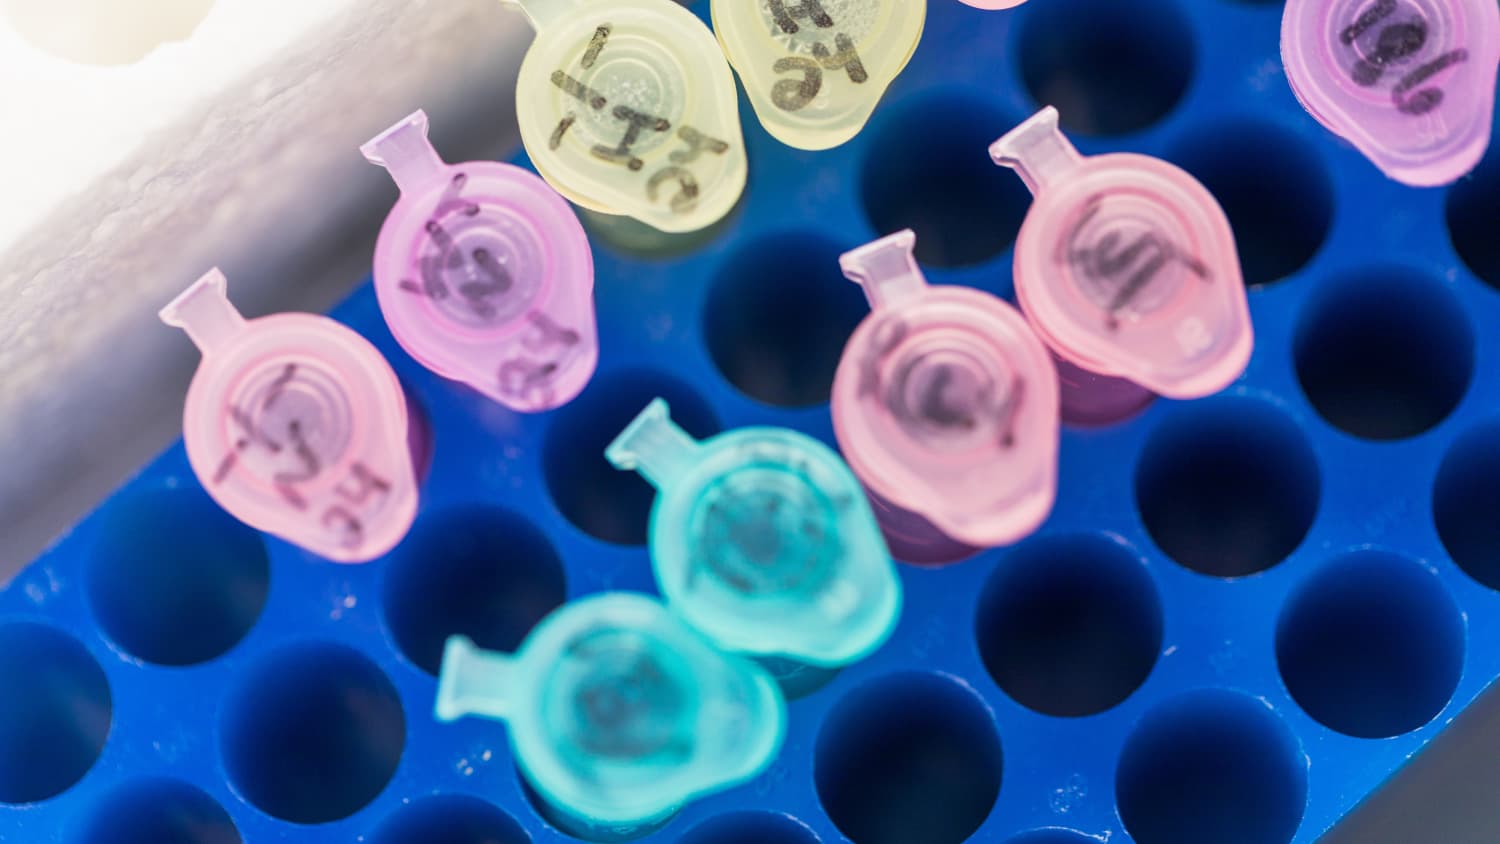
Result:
x=1243 y=616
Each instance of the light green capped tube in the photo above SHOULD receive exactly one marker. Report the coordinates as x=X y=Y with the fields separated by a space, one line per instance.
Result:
x=763 y=539
x=618 y=713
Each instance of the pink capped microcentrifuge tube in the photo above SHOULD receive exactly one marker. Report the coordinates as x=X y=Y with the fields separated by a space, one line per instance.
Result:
x=945 y=404
x=1411 y=83
x=484 y=274
x=1126 y=267
x=296 y=426
x=992 y=5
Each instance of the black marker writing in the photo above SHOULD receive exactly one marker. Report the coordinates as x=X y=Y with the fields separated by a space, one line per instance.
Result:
x=435 y=265
x=596 y=46
x=578 y=90
x=548 y=333
x=1368 y=18
x=432 y=265
x=786 y=18
x=286 y=482
x=795 y=94
x=636 y=122
x=1426 y=99
x=686 y=197
x=1132 y=265
x=637 y=125
x=250 y=433
x=357 y=489
x=937 y=408
x=279 y=385
x=487 y=278
x=847 y=58
x=365 y=482
x=337 y=518
x=561 y=131
x=453 y=201
x=697 y=143
x=688 y=190
x=1396 y=43
x=887 y=336
x=497 y=283
x=553 y=347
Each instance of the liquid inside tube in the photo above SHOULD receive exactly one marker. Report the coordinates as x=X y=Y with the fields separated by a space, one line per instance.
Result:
x=618 y=714
x=945 y=404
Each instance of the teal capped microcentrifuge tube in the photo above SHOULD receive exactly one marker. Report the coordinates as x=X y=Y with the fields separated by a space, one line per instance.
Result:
x=763 y=539
x=619 y=713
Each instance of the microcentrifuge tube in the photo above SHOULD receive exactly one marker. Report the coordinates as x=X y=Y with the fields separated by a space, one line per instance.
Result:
x=945 y=403
x=1410 y=83
x=992 y=5
x=484 y=274
x=628 y=107
x=815 y=69
x=618 y=713
x=1126 y=267
x=762 y=539
x=297 y=426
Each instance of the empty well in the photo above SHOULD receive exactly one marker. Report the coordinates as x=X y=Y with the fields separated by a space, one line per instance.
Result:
x=158 y=811
x=599 y=499
x=1466 y=501
x=908 y=757
x=175 y=580
x=1273 y=187
x=449 y=819
x=1372 y=645
x=1227 y=486
x=1473 y=208
x=55 y=712
x=1211 y=766
x=312 y=733
x=778 y=315
x=929 y=170
x=750 y=828
x=1384 y=353
x=478 y=571
x=1123 y=71
x=1069 y=625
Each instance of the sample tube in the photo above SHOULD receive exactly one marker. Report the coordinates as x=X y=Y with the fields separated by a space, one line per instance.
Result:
x=1410 y=83
x=815 y=69
x=627 y=107
x=1126 y=267
x=945 y=403
x=484 y=274
x=618 y=713
x=762 y=539
x=297 y=426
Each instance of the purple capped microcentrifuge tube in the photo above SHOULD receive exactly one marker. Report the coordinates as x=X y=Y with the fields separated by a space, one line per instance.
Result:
x=1410 y=83
x=484 y=274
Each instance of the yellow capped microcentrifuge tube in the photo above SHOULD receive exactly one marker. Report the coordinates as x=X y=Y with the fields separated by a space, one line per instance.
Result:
x=627 y=107
x=815 y=69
